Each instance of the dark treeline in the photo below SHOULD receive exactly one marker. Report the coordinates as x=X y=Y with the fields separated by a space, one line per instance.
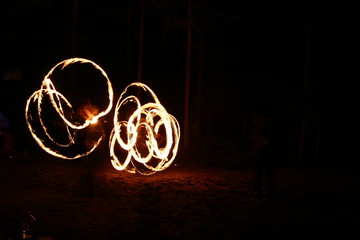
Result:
x=294 y=59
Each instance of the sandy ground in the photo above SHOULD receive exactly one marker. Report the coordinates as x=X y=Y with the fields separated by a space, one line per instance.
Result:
x=72 y=201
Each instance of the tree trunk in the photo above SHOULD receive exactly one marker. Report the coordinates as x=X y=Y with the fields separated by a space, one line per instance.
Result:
x=187 y=77
x=128 y=43
x=199 y=92
x=74 y=27
x=304 y=128
x=141 y=41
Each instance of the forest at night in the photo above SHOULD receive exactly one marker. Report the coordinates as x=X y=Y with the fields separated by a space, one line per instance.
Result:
x=255 y=86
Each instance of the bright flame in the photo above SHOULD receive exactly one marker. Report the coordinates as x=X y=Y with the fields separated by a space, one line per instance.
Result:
x=65 y=112
x=147 y=134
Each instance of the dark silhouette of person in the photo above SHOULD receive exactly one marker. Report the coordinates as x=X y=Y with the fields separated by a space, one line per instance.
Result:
x=98 y=160
x=262 y=150
x=7 y=146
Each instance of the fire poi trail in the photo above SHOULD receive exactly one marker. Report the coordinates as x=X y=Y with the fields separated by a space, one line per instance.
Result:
x=57 y=130
x=148 y=137
x=144 y=138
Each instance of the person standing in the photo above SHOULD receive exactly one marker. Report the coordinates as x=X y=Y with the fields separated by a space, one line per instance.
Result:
x=7 y=147
x=262 y=150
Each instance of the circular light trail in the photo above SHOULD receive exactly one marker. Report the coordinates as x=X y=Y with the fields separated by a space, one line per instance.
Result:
x=63 y=114
x=144 y=136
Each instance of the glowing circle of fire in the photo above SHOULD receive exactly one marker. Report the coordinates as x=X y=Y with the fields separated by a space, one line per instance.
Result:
x=63 y=120
x=148 y=136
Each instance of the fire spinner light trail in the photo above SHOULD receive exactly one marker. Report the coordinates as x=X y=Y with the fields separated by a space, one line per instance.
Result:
x=144 y=139
x=147 y=135
x=67 y=124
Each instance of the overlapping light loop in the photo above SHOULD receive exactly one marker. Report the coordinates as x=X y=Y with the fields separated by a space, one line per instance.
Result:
x=64 y=115
x=147 y=135
x=144 y=139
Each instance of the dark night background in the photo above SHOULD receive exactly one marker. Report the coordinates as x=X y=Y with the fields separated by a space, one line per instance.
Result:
x=295 y=60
